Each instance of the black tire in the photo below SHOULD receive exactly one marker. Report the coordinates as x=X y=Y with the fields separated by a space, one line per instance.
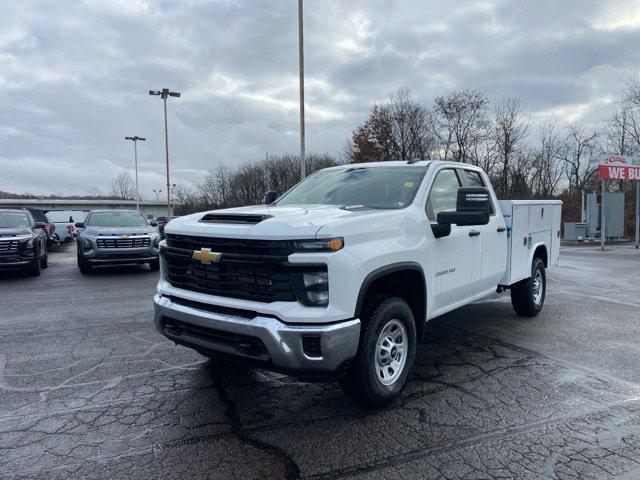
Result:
x=44 y=261
x=527 y=301
x=34 y=269
x=154 y=265
x=85 y=268
x=362 y=381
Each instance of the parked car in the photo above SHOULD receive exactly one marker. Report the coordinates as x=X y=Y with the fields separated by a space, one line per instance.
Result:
x=23 y=242
x=161 y=222
x=116 y=237
x=49 y=227
x=64 y=222
x=338 y=277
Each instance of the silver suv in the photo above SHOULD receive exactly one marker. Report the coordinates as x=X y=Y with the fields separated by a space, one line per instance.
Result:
x=116 y=237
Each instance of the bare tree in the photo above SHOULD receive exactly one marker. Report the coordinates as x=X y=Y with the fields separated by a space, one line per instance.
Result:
x=546 y=169
x=579 y=155
x=509 y=132
x=123 y=186
x=460 y=123
x=94 y=192
x=400 y=129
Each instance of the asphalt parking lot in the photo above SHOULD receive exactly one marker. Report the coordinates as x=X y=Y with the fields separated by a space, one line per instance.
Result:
x=88 y=389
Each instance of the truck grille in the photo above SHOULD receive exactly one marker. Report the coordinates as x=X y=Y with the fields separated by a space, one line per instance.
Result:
x=254 y=270
x=133 y=242
x=9 y=245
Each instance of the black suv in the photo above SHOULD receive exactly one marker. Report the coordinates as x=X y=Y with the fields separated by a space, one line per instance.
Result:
x=23 y=241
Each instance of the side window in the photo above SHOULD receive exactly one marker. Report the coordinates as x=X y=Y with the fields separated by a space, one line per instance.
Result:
x=443 y=194
x=470 y=178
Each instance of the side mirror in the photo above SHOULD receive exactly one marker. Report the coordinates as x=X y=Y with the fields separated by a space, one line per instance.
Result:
x=153 y=223
x=473 y=207
x=79 y=224
x=40 y=225
x=269 y=197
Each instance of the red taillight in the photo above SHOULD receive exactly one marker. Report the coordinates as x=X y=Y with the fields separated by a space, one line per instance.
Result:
x=47 y=228
x=69 y=229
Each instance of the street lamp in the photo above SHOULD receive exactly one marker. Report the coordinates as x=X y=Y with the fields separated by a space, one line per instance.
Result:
x=303 y=166
x=164 y=93
x=135 y=154
x=157 y=192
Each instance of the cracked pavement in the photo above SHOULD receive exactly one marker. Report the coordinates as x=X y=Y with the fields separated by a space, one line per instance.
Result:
x=88 y=389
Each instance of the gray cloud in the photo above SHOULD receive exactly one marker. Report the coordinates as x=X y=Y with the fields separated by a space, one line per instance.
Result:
x=74 y=75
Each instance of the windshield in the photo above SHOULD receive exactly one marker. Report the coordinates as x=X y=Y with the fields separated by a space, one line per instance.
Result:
x=116 y=219
x=374 y=187
x=14 y=220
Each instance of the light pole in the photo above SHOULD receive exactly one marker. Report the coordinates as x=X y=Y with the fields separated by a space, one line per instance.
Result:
x=157 y=192
x=135 y=141
x=164 y=93
x=303 y=167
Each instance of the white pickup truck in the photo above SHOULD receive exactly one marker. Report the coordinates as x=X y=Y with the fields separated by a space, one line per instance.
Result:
x=338 y=277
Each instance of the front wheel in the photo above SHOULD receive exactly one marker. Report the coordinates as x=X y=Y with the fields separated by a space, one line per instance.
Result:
x=385 y=354
x=34 y=269
x=85 y=268
x=527 y=296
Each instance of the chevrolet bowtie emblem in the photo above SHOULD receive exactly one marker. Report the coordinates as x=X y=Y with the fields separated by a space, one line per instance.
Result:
x=206 y=256
x=124 y=237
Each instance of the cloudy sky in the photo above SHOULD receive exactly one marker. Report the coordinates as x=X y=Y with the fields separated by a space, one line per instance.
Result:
x=74 y=75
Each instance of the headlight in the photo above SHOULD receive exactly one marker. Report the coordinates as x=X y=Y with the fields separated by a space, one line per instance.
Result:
x=30 y=242
x=312 y=288
x=319 y=245
x=86 y=243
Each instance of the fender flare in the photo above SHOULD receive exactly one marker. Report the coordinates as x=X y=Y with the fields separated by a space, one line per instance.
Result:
x=533 y=251
x=381 y=272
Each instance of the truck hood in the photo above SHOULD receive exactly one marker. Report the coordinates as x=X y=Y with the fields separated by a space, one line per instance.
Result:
x=118 y=231
x=277 y=222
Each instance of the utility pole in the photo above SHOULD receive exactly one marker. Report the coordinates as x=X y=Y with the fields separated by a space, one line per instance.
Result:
x=164 y=93
x=603 y=222
x=303 y=168
x=637 y=213
x=135 y=141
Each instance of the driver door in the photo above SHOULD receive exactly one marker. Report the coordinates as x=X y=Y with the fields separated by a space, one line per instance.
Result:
x=455 y=258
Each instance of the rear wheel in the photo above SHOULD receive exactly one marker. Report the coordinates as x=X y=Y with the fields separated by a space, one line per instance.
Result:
x=385 y=354
x=527 y=296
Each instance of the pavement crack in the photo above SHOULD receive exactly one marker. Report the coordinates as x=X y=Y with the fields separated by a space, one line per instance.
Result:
x=291 y=468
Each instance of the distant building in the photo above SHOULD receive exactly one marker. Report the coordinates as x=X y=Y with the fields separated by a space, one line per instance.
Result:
x=148 y=209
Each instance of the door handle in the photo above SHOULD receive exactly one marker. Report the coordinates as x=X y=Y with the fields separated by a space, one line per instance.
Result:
x=501 y=229
x=474 y=233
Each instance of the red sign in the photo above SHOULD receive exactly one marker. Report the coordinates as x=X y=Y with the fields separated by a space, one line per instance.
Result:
x=618 y=167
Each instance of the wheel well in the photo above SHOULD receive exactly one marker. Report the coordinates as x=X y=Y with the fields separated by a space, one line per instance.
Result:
x=541 y=252
x=405 y=283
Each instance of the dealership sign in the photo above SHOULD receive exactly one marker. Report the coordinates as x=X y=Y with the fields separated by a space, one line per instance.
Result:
x=619 y=167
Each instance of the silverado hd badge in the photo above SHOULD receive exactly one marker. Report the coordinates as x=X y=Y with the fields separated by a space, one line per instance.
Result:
x=206 y=256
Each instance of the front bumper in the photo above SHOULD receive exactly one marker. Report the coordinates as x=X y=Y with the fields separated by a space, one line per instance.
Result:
x=119 y=256
x=259 y=339
x=15 y=261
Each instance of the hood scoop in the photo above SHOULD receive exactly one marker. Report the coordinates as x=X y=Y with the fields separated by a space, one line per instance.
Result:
x=235 y=218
